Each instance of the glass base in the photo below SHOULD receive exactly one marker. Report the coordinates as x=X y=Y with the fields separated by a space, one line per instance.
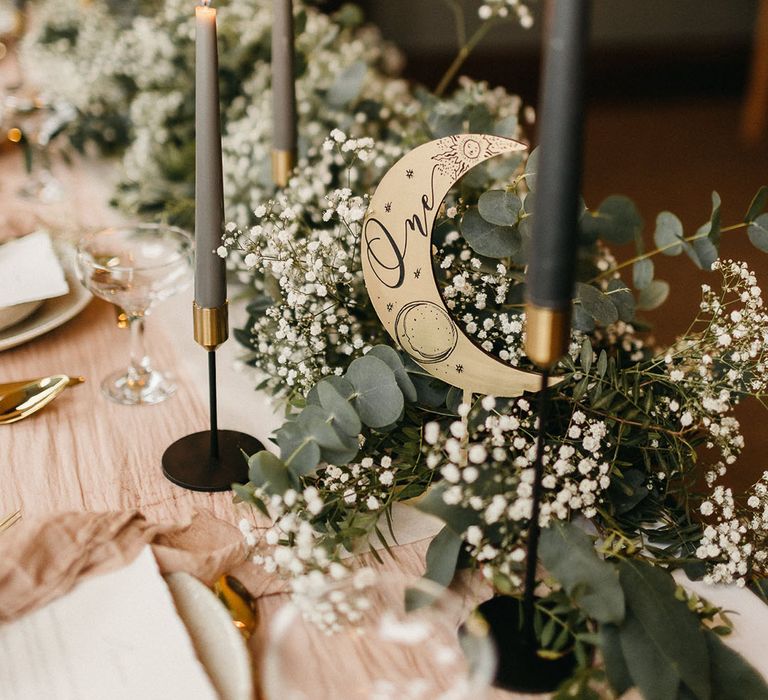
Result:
x=152 y=387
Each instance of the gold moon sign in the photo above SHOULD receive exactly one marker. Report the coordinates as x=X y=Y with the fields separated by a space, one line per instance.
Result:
x=397 y=265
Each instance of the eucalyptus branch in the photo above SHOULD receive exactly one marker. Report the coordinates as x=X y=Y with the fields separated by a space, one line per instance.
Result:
x=462 y=56
x=656 y=251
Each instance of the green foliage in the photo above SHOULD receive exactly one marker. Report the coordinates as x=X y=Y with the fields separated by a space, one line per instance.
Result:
x=500 y=207
x=377 y=398
x=668 y=235
x=569 y=555
x=617 y=220
x=488 y=239
x=758 y=232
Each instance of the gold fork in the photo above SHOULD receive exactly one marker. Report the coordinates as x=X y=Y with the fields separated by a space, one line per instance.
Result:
x=10 y=520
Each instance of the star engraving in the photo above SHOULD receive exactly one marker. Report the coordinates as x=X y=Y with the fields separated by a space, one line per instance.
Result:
x=409 y=173
x=459 y=369
x=388 y=207
x=417 y=273
x=390 y=306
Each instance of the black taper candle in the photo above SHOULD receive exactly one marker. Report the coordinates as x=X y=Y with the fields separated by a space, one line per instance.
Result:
x=552 y=261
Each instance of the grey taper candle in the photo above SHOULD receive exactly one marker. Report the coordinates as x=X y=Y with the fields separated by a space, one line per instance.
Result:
x=554 y=240
x=210 y=271
x=283 y=91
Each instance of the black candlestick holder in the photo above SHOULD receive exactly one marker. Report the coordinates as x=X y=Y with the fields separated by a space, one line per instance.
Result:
x=210 y=460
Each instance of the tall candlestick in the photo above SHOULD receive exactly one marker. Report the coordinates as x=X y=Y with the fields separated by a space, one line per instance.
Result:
x=283 y=93
x=210 y=272
x=552 y=264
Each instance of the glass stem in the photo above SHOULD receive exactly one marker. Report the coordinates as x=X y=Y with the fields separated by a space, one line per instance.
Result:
x=139 y=369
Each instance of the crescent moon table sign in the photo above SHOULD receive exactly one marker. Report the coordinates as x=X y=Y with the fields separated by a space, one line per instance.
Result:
x=397 y=265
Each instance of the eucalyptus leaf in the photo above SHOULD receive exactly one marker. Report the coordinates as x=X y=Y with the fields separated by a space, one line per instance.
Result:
x=642 y=273
x=596 y=304
x=298 y=449
x=653 y=296
x=758 y=203
x=531 y=167
x=442 y=556
x=506 y=127
x=456 y=517
x=673 y=630
x=393 y=361
x=613 y=658
x=378 y=400
x=758 y=232
x=669 y=231
x=733 y=678
x=500 y=207
x=319 y=423
x=713 y=225
x=266 y=470
x=706 y=250
x=581 y=320
x=617 y=220
x=623 y=299
x=344 y=417
x=489 y=239
x=347 y=86
x=569 y=555
x=652 y=671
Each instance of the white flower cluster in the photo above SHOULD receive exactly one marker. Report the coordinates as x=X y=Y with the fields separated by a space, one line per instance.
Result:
x=506 y=8
x=723 y=359
x=293 y=547
x=736 y=542
x=305 y=243
x=490 y=471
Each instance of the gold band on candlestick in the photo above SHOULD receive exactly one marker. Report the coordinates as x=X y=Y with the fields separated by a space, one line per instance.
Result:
x=211 y=326
x=283 y=163
x=547 y=334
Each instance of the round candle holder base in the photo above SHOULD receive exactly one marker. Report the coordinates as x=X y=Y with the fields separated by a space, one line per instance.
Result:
x=189 y=462
x=520 y=668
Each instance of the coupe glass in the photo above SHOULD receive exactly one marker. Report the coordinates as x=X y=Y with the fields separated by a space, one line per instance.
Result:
x=362 y=639
x=135 y=267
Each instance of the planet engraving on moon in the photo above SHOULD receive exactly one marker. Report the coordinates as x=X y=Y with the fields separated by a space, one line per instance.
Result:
x=426 y=332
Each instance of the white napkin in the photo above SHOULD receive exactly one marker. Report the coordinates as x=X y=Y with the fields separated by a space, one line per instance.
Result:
x=116 y=636
x=30 y=270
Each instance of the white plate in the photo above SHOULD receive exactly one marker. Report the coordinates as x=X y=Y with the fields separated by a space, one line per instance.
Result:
x=218 y=644
x=52 y=314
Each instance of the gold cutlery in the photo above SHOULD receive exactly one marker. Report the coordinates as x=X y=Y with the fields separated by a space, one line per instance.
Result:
x=21 y=399
x=240 y=603
x=10 y=520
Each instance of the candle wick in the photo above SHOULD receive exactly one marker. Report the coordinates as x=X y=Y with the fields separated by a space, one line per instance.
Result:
x=206 y=3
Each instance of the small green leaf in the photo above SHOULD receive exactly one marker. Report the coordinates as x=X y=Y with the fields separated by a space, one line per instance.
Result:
x=499 y=207
x=271 y=472
x=617 y=220
x=623 y=299
x=531 y=167
x=442 y=556
x=298 y=449
x=714 y=220
x=602 y=364
x=581 y=320
x=706 y=250
x=392 y=358
x=757 y=204
x=455 y=517
x=669 y=231
x=653 y=296
x=345 y=417
x=596 y=304
x=585 y=356
x=613 y=657
x=378 y=400
x=489 y=239
x=733 y=678
x=569 y=555
x=758 y=232
x=642 y=273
